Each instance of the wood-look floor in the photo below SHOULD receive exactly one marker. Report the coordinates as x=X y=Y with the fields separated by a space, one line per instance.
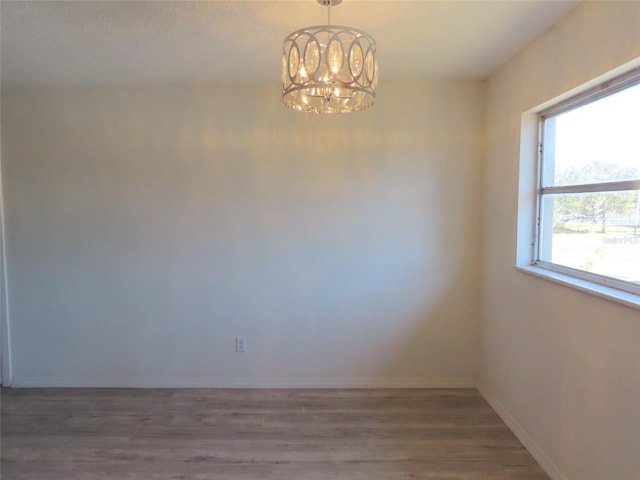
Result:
x=198 y=434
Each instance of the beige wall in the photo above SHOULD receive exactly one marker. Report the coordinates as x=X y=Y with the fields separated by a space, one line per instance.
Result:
x=563 y=367
x=147 y=227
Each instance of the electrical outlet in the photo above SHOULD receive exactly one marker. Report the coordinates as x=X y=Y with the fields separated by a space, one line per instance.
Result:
x=241 y=345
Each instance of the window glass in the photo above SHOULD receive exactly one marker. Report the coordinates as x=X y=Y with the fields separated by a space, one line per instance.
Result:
x=595 y=232
x=597 y=142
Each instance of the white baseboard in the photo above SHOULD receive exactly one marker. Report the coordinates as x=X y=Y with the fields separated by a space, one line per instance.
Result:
x=534 y=449
x=181 y=382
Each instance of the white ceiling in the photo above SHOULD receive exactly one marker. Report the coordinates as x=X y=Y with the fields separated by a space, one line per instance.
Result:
x=114 y=42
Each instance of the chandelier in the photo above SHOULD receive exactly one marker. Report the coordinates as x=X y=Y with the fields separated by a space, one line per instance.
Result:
x=329 y=68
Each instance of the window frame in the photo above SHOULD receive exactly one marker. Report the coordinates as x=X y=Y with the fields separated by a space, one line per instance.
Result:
x=601 y=90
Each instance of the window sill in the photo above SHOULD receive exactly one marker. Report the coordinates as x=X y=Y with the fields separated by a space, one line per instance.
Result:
x=608 y=293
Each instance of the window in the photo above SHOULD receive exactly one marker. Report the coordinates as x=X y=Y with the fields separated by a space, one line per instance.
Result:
x=588 y=195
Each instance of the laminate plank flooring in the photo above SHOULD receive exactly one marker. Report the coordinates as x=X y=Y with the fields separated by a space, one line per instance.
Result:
x=220 y=434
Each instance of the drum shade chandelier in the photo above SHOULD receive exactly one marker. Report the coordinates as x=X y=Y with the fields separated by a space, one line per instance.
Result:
x=329 y=68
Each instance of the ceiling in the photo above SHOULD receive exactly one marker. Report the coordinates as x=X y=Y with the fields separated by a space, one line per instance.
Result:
x=139 y=42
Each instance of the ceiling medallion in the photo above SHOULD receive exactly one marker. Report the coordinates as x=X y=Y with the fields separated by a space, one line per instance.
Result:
x=329 y=68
